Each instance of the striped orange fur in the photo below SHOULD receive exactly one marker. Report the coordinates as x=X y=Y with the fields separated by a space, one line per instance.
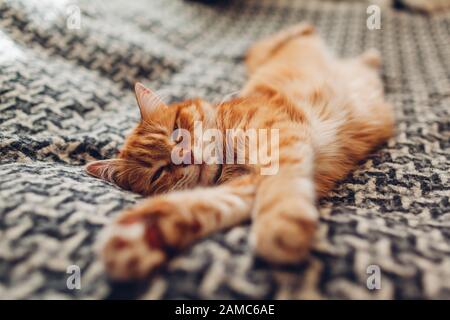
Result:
x=330 y=113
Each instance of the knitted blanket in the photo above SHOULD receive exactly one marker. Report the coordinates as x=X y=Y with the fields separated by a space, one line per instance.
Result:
x=66 y=76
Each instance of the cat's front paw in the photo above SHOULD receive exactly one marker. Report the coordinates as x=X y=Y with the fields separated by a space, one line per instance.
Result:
x=282 y=239
x=141 y=239
x=126 y=252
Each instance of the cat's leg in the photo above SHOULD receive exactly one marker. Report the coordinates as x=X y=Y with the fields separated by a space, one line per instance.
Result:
x=284 y=213
x=262 y=50
x=143 y=237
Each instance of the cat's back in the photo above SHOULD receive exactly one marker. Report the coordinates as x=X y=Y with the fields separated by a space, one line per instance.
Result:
x=252 y=112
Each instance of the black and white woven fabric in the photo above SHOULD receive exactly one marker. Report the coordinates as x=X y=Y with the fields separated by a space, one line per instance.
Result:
x=66 y=98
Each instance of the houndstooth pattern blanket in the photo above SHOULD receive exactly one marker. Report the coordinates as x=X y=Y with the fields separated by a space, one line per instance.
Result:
x=66 y=98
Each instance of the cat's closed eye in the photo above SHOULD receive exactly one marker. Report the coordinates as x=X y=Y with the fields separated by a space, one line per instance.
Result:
x=158 y=174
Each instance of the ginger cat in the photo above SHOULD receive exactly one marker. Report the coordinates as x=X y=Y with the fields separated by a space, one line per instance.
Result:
x=329 y=113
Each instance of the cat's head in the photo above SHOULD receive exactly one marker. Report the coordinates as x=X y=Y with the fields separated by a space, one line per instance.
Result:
x=144 y=164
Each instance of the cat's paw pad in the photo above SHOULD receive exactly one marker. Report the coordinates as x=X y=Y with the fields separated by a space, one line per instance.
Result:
x=127 y=252
x=282 y=240
x=140 y=239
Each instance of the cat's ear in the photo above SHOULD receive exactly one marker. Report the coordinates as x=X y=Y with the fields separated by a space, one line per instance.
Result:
x=147 y=100
x=103 y=169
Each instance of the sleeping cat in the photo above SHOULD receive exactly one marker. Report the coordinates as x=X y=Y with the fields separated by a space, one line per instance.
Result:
x=329 y=113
